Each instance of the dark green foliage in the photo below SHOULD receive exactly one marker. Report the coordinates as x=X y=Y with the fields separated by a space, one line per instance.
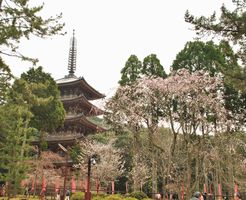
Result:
x=5 y=77
x=15 y=143
x=134 y=69
x=49 y=116
x=131 y=71
x=153 y=67
x=18 y=19
x=200 y=56
x=138 y=195
x=124 y=142
x=75 y=153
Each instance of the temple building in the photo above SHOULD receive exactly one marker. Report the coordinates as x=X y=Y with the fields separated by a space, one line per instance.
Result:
x=76 y=96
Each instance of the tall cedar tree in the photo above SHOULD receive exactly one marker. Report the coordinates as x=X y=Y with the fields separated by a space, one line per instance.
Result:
x=16 y=134
x=153 y=67
x=131 y=72
x=135 y=69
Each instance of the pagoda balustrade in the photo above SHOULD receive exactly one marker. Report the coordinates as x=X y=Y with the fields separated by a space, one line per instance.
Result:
x=64 y=134
x=71 y=115
x=70 y=96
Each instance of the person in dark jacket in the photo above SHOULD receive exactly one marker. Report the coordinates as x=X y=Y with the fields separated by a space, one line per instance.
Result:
x=195 y=196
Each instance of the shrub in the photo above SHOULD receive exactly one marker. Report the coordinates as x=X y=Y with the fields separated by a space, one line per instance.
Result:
x=97 y=197
x=138 y=195
x=78 y=196
x=130 y=198
x=101 y=195
x=147 y=199
x=113 y=197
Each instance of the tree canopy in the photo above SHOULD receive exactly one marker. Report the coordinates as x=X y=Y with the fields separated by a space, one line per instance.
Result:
x=49 y=116
x=231 y=27
x=19 y=20
x=216 y=60
x=198 y=55
x=131 y=71
x=153 y=67
x=135 y=69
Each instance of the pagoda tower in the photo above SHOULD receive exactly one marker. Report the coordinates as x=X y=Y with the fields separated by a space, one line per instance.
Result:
x=76 y=96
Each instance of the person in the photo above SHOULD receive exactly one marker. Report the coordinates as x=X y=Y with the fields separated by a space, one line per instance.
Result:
x=27 y=190
x=157 y=196
x=175 y=196
x=195 y=196
x=58 y=196
x=204 y=195
x=3 y=190
x=237 y=196
x=67 y=194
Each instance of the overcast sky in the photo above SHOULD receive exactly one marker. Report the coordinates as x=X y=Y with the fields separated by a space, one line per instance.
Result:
x=109 y=31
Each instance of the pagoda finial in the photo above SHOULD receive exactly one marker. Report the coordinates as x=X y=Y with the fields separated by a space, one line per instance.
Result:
x=72 y=55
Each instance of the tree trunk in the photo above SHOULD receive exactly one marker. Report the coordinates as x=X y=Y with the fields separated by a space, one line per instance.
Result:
x=136 y=141
x=205 y=173
x=153 y=160
x=189 y=172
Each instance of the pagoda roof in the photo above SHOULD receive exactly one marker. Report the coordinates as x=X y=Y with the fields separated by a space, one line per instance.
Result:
x=64 y=139
x=82 y=120
x=81 y=101
x=72 y=80
x=81 y=124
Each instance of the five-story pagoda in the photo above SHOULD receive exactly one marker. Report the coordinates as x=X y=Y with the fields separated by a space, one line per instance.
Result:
x=76 y=96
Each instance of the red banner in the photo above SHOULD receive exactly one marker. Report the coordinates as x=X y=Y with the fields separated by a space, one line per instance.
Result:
x=219 y=190
x=73 y=185
x=204 y=188
x=182 y=192
x=43 y=186
x=112 y=187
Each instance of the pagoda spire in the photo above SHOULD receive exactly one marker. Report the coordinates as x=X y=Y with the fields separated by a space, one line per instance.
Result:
x=72 y=55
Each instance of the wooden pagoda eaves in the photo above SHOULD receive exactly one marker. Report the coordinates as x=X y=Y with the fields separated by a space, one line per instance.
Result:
x=80 y=123
x=68 y=83
x=81 y=103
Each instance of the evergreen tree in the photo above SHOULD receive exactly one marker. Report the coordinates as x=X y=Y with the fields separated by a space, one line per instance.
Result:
x=231 y=26
x=16 y=134
x=47 y=117
x=198 y=55
x=153 y=67
x=131 y=72
x=5 y=77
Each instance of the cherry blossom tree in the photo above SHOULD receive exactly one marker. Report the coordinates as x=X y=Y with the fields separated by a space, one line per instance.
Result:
x=190 y=104
x=109 y=164
x=140 y=172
